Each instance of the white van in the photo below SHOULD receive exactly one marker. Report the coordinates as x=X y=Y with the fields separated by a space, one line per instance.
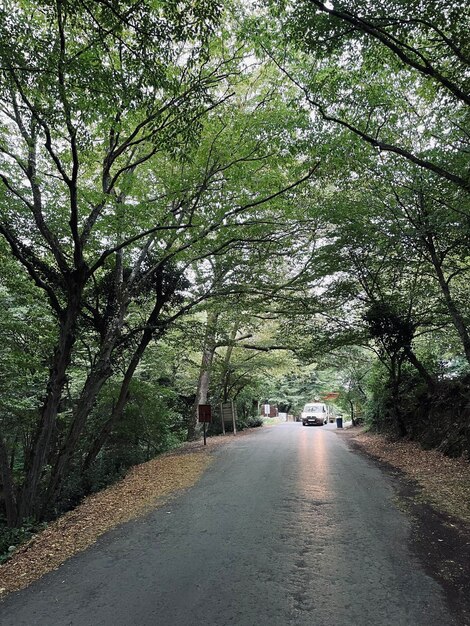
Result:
x=314 y=414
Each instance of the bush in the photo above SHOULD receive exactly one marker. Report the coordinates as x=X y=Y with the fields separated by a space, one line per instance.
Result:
x=255 y=421
x=14 y=537
x=436 y=419
x=251 y=421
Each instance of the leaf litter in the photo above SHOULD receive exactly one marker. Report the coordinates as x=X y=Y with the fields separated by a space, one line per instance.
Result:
x=144 y=487
x=444 y=481
x=433 y=491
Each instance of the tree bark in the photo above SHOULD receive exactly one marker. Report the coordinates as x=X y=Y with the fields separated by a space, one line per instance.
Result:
x=8 y=486
x=208 y=353
x=351 y=407
x=455 y=315
x=118 y=408
x=396 y=375
x=412 y=358
x=28 y=504
x=99 y=374
x=228 y=356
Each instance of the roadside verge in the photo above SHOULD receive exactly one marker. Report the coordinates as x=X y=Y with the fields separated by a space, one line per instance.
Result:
x=434 y=492
x=144 y=487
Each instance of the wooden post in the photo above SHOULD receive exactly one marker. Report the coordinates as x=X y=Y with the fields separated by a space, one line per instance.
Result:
x=222 y=417
x=233 y=419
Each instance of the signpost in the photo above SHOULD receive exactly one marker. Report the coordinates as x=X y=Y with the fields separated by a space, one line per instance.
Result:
x=270 y=410
x=205 y=417
x=228 y=413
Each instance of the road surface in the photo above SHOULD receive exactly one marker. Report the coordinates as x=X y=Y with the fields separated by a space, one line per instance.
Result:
x=288 y=526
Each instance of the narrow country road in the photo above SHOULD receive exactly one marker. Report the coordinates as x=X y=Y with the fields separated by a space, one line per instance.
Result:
x=288 y=526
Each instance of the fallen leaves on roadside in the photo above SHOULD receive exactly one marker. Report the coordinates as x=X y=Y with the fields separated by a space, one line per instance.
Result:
x=142 y=488
x=445 y=481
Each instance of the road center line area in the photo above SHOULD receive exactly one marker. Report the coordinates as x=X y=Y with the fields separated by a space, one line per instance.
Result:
x=288 y=526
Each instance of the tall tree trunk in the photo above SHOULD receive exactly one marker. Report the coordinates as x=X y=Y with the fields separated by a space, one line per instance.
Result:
x=28 y=505
x=93 y=385
x=396 y=376
x=351 y=408
x=228 y=356
x=102 y=370
x=8 y=486
x=413 y=359
x=119 y=406
x=208 y=352
x=457 y=318
x=99 y=374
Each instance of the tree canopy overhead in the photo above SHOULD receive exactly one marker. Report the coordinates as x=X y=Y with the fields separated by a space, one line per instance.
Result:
x=189 y=190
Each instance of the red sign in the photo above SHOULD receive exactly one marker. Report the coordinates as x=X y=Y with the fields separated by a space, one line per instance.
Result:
x=330 y=396
x=205 y=413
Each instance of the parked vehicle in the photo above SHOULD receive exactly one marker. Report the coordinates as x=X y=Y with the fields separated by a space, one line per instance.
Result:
x=315 y=414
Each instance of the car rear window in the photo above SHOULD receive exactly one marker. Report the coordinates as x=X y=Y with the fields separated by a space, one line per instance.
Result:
x=313 y=408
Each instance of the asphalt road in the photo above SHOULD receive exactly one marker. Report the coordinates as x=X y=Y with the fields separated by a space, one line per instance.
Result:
x=288 y=526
